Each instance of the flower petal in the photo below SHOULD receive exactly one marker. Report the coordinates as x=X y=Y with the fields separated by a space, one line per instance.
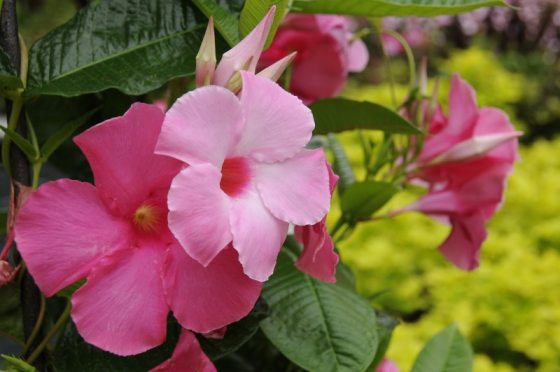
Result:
x=202 y=126
x=492 y=121
x=358 y=56
x=463 y=110
x=62 y=230
x=187 y=355
x=277 y=124
x=244 y=55
x=318 y=258
x=207 y=298
x=462 y=247
x=257 y=235
x=122 y=307
x=199 y=212
x=120 y=152
x=295 y=190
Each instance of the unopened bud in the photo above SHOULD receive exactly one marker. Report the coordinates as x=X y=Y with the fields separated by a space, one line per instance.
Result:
x=206 y=57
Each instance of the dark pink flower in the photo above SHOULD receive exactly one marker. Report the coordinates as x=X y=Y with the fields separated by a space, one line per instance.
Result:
x=326 y=54
x=115 y=234
x=318 y=258
x=187 y=356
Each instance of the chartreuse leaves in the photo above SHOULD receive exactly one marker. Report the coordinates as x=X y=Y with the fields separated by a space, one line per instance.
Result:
x=132 y=45
x=447 y=351
x=319 y=326
x=362 y=199
x=255 y=10
x=225 y=20
x=333 y=115
x=8 y=76
x=382 y=8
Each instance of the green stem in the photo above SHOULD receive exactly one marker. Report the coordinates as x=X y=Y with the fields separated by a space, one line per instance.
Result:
x=37 y=327
x=56 y=327
x=36 y=168
x=17 y=105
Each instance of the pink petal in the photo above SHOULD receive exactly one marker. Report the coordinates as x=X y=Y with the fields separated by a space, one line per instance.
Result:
x=199 y=212
x=245 y=55
x=462 y=247
x=387 y=365
x=187 y=356
x=122 y=307
x=202 y=126
x=277 y=124
x=358 y=56
x=492 y=121
x=62 y=230
x=257 y=235
x=463 y=110
x=295 y=190
x=120 y=153
x=207 y=298
x=318 y=258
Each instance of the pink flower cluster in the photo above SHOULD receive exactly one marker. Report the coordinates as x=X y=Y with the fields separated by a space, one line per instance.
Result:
x=188 y=212
x=466 y=160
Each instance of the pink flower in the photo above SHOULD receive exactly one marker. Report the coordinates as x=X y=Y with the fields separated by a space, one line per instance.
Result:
x=115 y=234
x=187 y=356
x=326 y=54
x=387 y=365
x=249 y=174
x=466 y=160
x=7 y=273
x=318 y=258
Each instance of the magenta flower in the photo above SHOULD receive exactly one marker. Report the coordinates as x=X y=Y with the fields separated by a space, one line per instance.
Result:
x=249 y=174
x=466 y=160
x=326 y=54
x=318 y=258
x=187 y=356
x=387 y=365
x=115 y=234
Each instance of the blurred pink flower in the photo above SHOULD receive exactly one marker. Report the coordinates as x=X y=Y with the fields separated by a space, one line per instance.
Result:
x=187 y=356
x=115 y=234
x=249 y=174
x=318 y=258
x=326 y=53
x=415 y=38
x=387 y=365
x=466 y=160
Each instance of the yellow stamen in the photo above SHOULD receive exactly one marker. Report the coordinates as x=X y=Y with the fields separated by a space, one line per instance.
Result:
x=146 y=218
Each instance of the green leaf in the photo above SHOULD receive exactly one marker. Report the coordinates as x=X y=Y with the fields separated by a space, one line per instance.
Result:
x=8 y=75
x=333 y=115
x=25 y=146
x=341 y=165
x=64 y=133
x=447 y=351
x=319 y=326
x=225 y=20
x=362 y=199
x=383 y=8
x=68 y=291
x=237 y=333
x=255 y=10
x=10 y=312
x=14 y=364
x=132 y=45
x=385 y=326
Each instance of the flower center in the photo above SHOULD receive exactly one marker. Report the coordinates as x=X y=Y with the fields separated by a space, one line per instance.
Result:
x=236 y=175
x=147 y=218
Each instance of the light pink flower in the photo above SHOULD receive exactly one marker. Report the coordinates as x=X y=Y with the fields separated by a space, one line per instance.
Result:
x=326 y=54
x=387 y=365
x=318 y=258
x=466 y=160
x=187 y=356
x=115 y=234
x=249 y=174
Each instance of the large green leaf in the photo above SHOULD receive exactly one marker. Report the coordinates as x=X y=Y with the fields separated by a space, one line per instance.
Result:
x=226 y=15
x=8 y=76
x=333 y=115
x=131 y=45
x=362 y=199
x=255 y=10
x=382 y=8
x=447 y=351
x=319 y=326
x=341 y=165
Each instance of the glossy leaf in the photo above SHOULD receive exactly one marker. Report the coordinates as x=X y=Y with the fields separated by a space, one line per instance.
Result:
x=447 y=351
x=362 y=199
x=319 y=326
x=333 y=115
x=14 y=364
x=255 y=10
x=8 y=75
x=225 y=15
x=132 y=45
x=383 y=8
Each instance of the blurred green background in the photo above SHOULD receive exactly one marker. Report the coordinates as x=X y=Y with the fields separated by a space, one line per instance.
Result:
x=510 y=307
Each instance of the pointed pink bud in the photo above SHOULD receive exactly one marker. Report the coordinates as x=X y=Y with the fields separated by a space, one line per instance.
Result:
x=274 y=71
x=206 y=57
x=475 y=147
x=246 y=53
